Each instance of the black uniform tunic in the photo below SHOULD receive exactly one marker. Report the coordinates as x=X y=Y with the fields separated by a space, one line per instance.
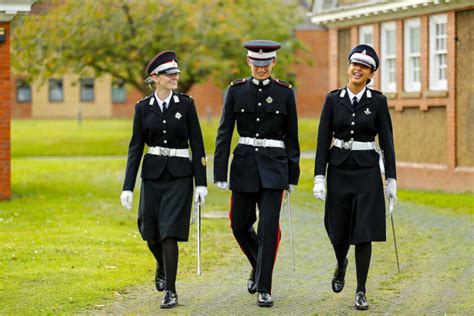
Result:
x=166 y=194
x=355 y=207
x=258 y=175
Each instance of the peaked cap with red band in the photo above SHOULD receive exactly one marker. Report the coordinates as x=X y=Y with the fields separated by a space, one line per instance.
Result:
x=165 y=62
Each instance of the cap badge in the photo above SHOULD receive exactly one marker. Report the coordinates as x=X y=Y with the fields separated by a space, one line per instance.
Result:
x=178 y=115
x=364 y=52
x=176 y=99
x=367 y=111
x=203 y=161
x=269 y=100
x=260 y=51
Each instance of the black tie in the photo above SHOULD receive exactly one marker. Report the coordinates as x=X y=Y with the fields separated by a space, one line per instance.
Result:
x=164 y=107
x=355 y=103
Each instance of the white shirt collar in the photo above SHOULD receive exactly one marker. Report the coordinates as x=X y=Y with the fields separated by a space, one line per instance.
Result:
x=167 y=100
x=359 y=95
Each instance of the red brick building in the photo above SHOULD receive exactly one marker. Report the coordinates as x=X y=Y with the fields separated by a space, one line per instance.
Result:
x=8 y=9
x=425 y=48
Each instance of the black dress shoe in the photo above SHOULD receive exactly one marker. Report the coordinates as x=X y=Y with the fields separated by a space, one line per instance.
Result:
x=160 y=279
x=338 y=278
x=170 y=300
x=251 y=285
x=361 y=301
x=264 y=300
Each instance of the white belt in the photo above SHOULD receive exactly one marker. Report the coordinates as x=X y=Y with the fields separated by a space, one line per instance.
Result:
x=259 y=142
x=354 y=145
x=169 y=152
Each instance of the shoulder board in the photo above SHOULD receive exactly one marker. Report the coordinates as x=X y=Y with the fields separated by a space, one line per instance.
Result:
x=147 y=97
x=283 y=83
x=375 y=91
x=238 y=81
x=185 y=95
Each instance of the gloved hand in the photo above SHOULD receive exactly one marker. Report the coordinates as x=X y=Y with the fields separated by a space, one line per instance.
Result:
x=291 y=187
x=127 y=199
x=319 y=189
x=201 y=192
x=222 y=185
x=392 y=190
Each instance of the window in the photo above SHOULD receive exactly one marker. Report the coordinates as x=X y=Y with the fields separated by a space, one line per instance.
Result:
x=23 y=92
x=119 y=94
x=438 y=52
x=87 y=90
x=366 y=35
x=389 y=52
x=56 y=91
x=412 y=55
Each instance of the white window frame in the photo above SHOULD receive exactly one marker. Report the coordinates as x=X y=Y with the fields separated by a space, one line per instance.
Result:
x=412 y=61
x=364 y=31
x=436 y=54
x=387 y=59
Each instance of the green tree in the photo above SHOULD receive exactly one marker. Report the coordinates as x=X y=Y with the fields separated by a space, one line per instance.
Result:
x=119 y=37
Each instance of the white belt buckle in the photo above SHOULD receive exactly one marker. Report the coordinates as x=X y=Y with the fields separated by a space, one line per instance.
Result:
x=164 y=151
x=347 y=145
x=259 y=142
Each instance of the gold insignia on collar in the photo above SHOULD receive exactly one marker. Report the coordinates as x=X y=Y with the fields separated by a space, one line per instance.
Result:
x=269 y=100
x=203 y=161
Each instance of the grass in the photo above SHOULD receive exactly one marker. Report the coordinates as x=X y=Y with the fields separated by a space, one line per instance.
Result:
x=106 y=137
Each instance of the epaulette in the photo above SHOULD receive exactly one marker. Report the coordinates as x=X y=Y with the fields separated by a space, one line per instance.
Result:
x=283 y=83
x=238 y=81
x=185 y=95
x=148 y=96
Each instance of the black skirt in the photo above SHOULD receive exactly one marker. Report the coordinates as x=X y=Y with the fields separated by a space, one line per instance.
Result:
x=165 y=207
x=355 y=205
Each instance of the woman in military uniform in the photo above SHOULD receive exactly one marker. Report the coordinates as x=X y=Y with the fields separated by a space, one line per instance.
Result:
x=168 y=124
x=355 y=207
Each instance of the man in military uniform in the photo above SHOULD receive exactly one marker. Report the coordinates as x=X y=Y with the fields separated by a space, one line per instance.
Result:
x=265 y=161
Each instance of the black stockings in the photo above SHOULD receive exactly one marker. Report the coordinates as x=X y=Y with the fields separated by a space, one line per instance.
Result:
x=363 y=252
x=166 y=253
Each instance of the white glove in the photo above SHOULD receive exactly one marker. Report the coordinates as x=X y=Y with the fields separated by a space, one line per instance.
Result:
x=127 y=199
x=222 y=185
x=391 y=190
x=319 y=189
x=201 y=192
x=291 y=187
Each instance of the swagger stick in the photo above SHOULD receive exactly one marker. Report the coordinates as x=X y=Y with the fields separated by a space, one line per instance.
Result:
x=198 y=203
x=291 y=228
x=393 y=231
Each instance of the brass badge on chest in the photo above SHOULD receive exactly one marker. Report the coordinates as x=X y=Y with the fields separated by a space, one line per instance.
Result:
x=269 y=100
x=367 y=111
x=178 y=115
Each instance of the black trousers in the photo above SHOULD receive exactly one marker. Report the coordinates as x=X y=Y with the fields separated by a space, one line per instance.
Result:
x=260 y=247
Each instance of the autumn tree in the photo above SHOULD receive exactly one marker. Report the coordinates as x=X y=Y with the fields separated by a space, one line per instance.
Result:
x=119 y=37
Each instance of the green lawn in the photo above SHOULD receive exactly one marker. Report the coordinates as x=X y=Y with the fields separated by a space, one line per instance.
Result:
x=105 y=137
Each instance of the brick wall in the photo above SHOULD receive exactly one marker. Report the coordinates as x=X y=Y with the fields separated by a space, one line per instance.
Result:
x=312 y=80
x=5 y=108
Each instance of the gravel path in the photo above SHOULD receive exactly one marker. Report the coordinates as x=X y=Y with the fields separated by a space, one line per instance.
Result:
x=436 y=254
